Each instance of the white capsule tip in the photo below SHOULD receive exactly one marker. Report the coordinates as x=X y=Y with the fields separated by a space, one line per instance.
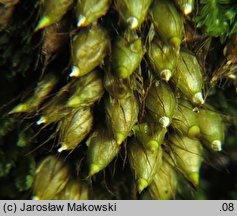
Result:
x=187 y=8
x=81 y=21
x=42 y=120
x=133 y=22
x=63 y=148
x=164 y=121
x=198 y=98
x=165 y=74
x=75 y=72
x=216 y=145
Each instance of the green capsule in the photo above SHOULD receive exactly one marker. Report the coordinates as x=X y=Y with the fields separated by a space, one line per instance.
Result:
x=102 y=149
x=89 y=47
x=185 y=120
x=90 y=11
x=168 y=22
x=42 y=90
x=75 y=128
x=53 y=113
x=162 y=58
x=122 y=115
x=55 y=109
x=116 y=87
x=126 y=56
x=50 y=178
x=161 y=103
x=86 y=90
x=164 y=184
x=188 y=78
x=186 y=6
x=151 y=135
x=187 y=155
x=145 y=163
x=212 y=128
x=71 y=191
x=53 y=11
x=133 y=12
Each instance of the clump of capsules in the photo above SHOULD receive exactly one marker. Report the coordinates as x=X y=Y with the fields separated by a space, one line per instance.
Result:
x=162 y=122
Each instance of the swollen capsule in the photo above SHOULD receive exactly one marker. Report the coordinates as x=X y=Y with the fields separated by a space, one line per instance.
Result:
x=53 y=11
x=185 y=120
x=90 y=11
x=102 y=149
x=164 y=184
x=132 y=12
x=188 y=78
x=162 y=58
x=44 y=87
x=126 y=56
x=75 y=128
x=89 y=47
x=50 y=178
x=187 y=156
x=121 y=116
x=161 y=103
x=151 y=135
x=55 y=109
x=212 y=128
x=168 y=22
x=145 y=163
x=86 y=90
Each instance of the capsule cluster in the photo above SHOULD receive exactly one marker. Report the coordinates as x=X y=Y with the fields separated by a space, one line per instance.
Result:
x=141 y=80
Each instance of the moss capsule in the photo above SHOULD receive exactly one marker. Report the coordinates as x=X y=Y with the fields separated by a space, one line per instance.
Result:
x=164 y=184
x=121 y=116
x=55 y=109
x=132 y=12
x=187 y=155
x=75 y=128
x=42 y=90
x=89 y=47
x=126 y=56
x=90 y=11
x=53 y=11
x=86 y=90
x=50 y=178
x=144 y=163
x=188 y=78
x=102 y=149
x=168 y=22
x=161 y=103
x=162 y=58
x=212 y=128
x=151 y=135
x=185 y=120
